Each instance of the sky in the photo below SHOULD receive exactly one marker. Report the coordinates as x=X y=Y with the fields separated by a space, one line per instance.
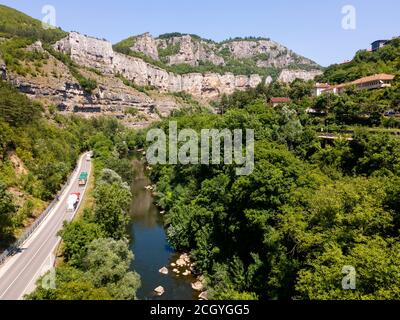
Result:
x=312 y=28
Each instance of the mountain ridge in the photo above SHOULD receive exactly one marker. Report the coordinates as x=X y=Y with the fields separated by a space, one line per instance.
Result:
x=83 y=74
x=188 y=53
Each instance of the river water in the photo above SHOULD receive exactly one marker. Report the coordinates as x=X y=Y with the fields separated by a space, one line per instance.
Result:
x=150 y=246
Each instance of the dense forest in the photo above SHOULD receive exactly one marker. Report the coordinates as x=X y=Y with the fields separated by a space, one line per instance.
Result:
x=292 y=225
x=37 y=153
x=310 y=207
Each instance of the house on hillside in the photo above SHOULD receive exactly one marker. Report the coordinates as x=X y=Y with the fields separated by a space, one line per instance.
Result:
x=376 y=45
x=377 y=81
x=279 y=101
x=319 y=88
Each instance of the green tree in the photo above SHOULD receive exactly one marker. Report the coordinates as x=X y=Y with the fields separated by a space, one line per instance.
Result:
x=17 y=109
x=111 y=209
x=70 y=284
x=7 y=209
x=107 y=265
x=76 y=236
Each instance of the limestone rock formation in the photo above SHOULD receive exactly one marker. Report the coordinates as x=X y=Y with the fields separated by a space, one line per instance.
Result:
x=268 y=53
x=191 y=51
x=55 y=85
x=99 y=54
x=146 y=44
x=289 y=76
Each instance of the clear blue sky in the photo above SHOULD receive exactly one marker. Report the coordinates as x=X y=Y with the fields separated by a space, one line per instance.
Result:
x=312 y=28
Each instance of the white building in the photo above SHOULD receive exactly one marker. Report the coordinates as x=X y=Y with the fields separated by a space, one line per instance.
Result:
x=320 y=88
x=377 y=81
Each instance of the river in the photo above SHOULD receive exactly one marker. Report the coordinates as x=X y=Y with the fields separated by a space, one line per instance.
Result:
x=150 y=246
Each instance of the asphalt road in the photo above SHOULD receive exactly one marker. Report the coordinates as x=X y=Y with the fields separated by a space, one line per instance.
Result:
x=18 y=275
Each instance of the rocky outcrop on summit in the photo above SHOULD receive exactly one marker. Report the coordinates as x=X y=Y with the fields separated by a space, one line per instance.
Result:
x=99 y=54
x=289 y=76
x=191 y=51
x=268 y=53
x=256 y=55
x=146 y=44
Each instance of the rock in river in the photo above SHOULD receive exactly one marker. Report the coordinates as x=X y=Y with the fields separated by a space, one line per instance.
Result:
x=181 y=263
x=164 y=271
x=198 y=286
x=203 y=295
x=159 y=291
x=186 y=273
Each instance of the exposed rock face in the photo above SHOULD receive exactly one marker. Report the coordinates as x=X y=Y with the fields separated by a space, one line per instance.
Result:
x=289 y=76
x=99 y=54
x=87 y=51
x=191 y=51
x=146 y=44
x=37 y=46
x=55 y=85
x=268 y=53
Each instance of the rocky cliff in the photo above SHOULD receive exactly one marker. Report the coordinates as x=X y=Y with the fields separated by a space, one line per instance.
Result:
x=140 y=79
x=53 y=84
x=99 y=54
x=289 y=76
x=267 y=53
x=175 y=49
x=147 y=45
x=190 y=51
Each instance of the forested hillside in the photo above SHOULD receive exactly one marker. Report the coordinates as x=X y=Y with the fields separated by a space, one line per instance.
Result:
x=287 y=230
x=366 y=63
x=15 y=23
x=38 y=151
x=310 y=207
